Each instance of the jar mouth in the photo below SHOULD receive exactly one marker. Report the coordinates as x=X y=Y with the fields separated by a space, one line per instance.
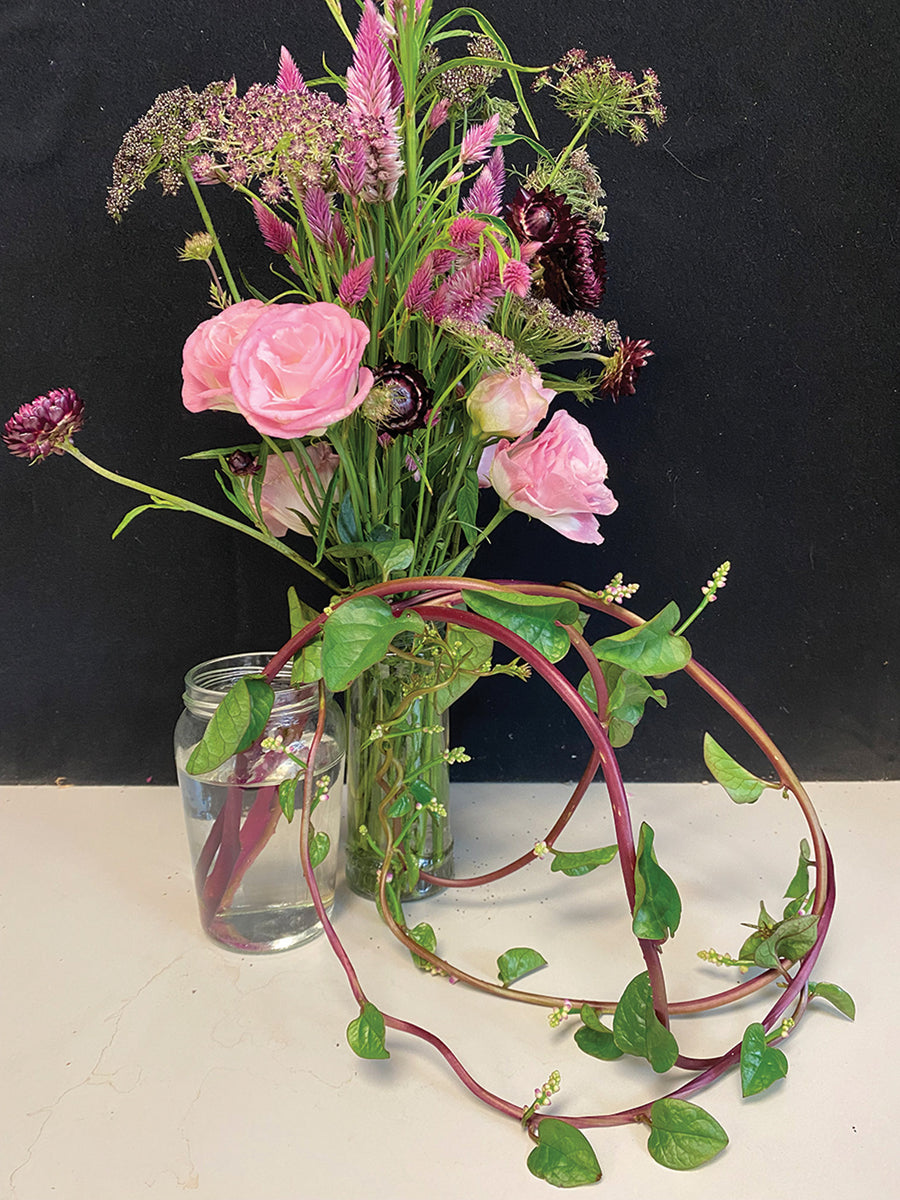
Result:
x=207 y=683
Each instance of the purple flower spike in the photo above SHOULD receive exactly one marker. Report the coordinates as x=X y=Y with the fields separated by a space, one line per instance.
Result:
x=289 y=78
x=277 y=234
x=41 y=428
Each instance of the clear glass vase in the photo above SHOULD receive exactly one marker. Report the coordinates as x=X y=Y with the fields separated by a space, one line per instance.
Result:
x=251 y=890
x=396 y=764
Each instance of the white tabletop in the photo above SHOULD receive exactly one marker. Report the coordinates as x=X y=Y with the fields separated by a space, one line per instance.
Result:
x=139 y=1059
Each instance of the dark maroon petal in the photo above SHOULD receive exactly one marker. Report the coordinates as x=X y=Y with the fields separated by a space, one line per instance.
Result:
x=42 y=427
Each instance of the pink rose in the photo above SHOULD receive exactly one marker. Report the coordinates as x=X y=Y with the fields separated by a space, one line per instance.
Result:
x=207 y=356
x=289 y=498
x=297 y=370
x=557 y=477
x=502 y=405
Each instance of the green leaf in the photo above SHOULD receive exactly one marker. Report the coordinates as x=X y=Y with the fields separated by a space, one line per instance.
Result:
x=467 y=506
x=657 y=905
x=638 y=1030
x=580 y=862
x=799 y=885
x=563 y=1155
x=307 y=665
x=424 y=936
x=366 y=1034
x=683 y=1134
x=392 y=556
x=531 y=617
x=628 y=692
x=742 y=786
x=597 y=1042
x=129 y=517
x=761 y=1064
x=347 y=527
x=835 y=995
x=357 y=635
x=236 y=724
x=472 y=651
x=518 y=962
x=287 y=791
x=648 y=649
x=796 y=936
x=319 y=845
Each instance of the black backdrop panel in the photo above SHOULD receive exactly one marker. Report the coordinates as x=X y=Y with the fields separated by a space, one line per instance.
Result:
x=753 y=240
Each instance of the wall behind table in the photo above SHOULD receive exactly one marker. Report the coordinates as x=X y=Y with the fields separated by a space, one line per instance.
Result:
x=753 y=241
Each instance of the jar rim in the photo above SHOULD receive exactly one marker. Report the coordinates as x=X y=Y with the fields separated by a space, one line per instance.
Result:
x=208 y=682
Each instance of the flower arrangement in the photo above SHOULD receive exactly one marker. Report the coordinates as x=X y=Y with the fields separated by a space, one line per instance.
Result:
x=427 y=300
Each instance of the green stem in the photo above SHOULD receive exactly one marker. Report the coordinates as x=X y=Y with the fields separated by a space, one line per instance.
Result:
x=167 y=500
x=207 y=221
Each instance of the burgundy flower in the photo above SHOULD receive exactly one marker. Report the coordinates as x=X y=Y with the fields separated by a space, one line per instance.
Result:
x=399 y=400
x=622 y=368
x=569 y=255
x=241 y=462
x=41 y=428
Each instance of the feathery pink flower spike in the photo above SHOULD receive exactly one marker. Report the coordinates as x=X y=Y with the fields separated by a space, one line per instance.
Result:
x=277 y=234
x=355 y=283
x=289 y=78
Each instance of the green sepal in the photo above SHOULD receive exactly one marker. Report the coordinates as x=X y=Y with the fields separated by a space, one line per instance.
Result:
x=580 y=862
x=657 y=905
x=531 y=617
x=683 y=1135
x=798 y=888
x=519 y=961
x=650 y=648
x=639 y=1031
x=319 y=845
x=741 y=785
x=836 y=996
x=357 y=635
x=366 y=1034
x=563 y=1156
x=761 y=1064
x=424 y=936
x=238 y=721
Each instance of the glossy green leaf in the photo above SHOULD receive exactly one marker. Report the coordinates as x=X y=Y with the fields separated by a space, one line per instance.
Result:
x=347 y=527
x=402 y=806
x=237 y=722
x=357 y=635
x=628 y=693
x=423 y=935
x=796 y=936
x=657 y=905
x=519 y=961
x=467 y=506
x=307 y=665
x=742 y=786
x=683 y=1135
x=366 y=1034
x=835 y=995
x=799 y=885
x=761 y=1064
x=319 y=845
x=639 y=1031
x=472 y=651
x=563 y=1155
x=648 y=649
x=531 y=617
x=580 y=862
x=392 y=556
x=598 y=1043
x=287 y=792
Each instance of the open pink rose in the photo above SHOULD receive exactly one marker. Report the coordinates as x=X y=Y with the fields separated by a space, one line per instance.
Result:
x=297 y=370
x=503 y=405
x=557 y=477
x=207 y=356
x=290 y=497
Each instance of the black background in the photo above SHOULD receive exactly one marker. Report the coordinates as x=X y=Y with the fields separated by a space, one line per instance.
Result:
x=753 y=240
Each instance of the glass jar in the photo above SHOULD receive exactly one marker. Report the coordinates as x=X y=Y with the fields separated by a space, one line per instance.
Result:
x=251 y=890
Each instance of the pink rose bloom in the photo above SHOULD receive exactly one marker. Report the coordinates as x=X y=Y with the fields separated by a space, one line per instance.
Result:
x=502 y=405
x=557 y=477
x=297 y=370
x=207 y=356
x=289 y=499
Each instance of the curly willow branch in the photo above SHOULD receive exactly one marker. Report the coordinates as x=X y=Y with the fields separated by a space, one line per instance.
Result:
x=432 y=599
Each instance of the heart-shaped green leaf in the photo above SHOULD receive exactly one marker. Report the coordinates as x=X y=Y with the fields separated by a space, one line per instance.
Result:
x=563 y=1155
x=638 y=1030
x=742 y=786
x=357 y=635
x=519 y=961
x=531 y=617
x=471 y=651
x=657 y=905
x=684 y=1135
x=761 y=1064
x=596 y=1040
x=835 y=995
x=237 y=722
x=423 y=935
x=366 y=1034
x=799 y=885
x=580 y=862
x=319 y=845
x=650 y=648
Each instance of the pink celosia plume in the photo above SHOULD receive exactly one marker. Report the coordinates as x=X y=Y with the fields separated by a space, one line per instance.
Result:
x=355 y=283
x=289 y=78
x=277 y=234
x=477 y=141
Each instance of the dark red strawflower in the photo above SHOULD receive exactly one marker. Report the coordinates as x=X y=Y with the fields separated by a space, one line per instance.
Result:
x=569 y=255
x=40 y=428
x=240 y=462
x=622 y=369
x=399 y=400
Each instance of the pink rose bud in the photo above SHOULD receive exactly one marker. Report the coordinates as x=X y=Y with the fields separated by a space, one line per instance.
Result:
x=557 y=477
x=207 y=356
x=502 y=405
x=291 y=498
x=297 y=370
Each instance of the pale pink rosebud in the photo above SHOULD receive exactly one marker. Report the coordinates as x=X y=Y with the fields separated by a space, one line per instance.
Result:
x=503 y=405
x=557 y=477
x=277 y=234
x=355 y=283
x=289 y=78
x=477 y=140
